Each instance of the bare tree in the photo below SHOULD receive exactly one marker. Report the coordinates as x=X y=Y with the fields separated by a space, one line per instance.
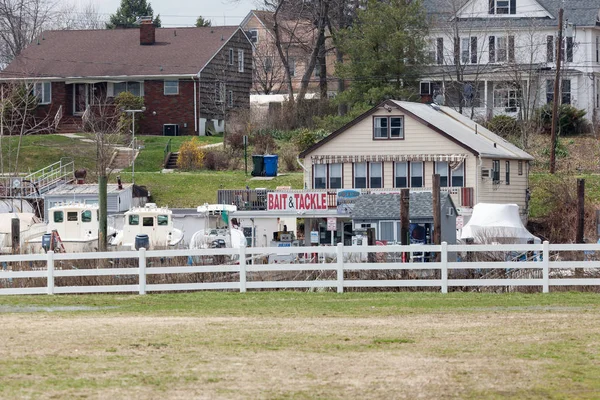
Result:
x=21 y=21
x=74 y=16
x=269 y=71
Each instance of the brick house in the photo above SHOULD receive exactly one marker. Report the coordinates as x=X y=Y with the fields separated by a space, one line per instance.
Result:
x=190 y=78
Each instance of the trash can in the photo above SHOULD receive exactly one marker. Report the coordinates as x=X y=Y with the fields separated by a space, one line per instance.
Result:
x=259 y=165
x=142 y=240
x=46 y=238
x=271 y=165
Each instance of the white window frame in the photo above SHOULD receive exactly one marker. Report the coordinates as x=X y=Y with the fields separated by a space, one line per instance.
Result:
x=501 y=49
x=366 y=176
x=43 y=91
x=441 y=168
x=321 y=174
x=396 y=176
x=240 y=60
x=506 y=97
x=169 y=85
x=412 y=169
x=372 y=167
x=333 y=174
x=395 y=230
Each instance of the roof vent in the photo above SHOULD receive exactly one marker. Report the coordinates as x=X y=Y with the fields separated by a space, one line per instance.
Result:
x=494 y=145
x=435 y=106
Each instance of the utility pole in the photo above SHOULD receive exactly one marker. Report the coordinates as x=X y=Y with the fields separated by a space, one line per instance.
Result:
x=555 y=100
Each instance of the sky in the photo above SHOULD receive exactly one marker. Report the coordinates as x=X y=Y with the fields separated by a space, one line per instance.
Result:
x=185 y=12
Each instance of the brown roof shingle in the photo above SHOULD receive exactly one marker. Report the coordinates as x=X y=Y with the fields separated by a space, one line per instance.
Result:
x=117 y=52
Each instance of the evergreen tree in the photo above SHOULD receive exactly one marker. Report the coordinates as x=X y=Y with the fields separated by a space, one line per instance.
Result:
x=386 y=51
x=201 y=21
x=129 y=12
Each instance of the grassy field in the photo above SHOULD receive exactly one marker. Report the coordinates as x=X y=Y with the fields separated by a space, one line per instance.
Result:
x=284 y=345
x=191 y=189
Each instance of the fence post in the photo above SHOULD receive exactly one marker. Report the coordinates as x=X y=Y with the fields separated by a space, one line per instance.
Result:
x=243 y=269
x=142 y=279
x=546 y=267
x=340 y=267
x=444 y=266
x=50 y=268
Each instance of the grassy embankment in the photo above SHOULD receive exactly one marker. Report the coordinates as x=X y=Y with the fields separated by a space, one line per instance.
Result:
x=302 y=345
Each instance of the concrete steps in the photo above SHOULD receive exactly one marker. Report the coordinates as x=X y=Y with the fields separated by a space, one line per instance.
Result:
x=172 y=161
x=122 y=159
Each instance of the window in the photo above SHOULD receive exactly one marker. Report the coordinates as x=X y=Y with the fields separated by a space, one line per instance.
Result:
x=268 y=64
x=520 y=167
x=86 y=216
x=162 y=220
x=496 y=171
x=565 y=85
x=147 y=221
x=507 y=173
x=388 y=231
x=416 y=174
x=388 y=127
x=569 y=51
x=171 y=87
x=465 y=45
x=375 y=175
x=335 y=176
x=135 y=88
x=501 y=49
x=253 y=35
x=503 y=7
x=458 y=176
x=240 y=60
x=441 y=168
x=220 y=90
x=360 y=175
x=43 y=91
x=401 y=174
x=230 y=98
x=598 y=49
x=72 y=216
x=58 y=216
x=425 y=88
x=230 y=57
x=292 y=66
x=440 y=51
x=506 y=96
x=320 y=180
x=134 y=219
x=550 y=48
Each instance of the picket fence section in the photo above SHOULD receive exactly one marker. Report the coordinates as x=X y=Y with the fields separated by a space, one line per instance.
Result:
x=340 y=260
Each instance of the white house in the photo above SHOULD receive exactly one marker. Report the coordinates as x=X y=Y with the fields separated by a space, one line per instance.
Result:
x=499 y=56
x=400 y=144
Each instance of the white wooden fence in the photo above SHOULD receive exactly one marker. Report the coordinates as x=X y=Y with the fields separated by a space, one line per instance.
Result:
x=337 y=260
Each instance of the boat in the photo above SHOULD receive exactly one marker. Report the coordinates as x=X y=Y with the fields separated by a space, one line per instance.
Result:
x=75 y=225
x=156 y=222
x=31 y=227
x=217 y=230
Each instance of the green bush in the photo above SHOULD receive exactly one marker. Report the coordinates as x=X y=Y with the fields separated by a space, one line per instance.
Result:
x=129 y=101
x=504 y=126
x=571 y=121
x=304 y=138
x=332 y=123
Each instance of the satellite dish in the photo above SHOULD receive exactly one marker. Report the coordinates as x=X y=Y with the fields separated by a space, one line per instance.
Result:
x=16 y=183
x=439 y=100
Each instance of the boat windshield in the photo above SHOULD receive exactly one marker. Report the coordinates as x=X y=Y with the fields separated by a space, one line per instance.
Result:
x=148 y=221
x=58 y=216
x=162 y=220
x=134 y=219
x=86 y=216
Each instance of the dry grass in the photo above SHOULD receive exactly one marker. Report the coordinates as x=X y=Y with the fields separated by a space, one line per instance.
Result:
x=292 y=346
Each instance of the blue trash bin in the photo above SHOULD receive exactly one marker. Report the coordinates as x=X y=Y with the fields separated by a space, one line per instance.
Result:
x=271 y=162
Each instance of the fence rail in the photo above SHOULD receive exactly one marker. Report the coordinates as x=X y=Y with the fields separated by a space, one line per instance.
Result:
x=340 y=265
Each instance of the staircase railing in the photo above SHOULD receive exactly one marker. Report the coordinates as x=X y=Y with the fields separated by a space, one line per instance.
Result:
x=58 y=117
x=51 y=176
x=167 y=152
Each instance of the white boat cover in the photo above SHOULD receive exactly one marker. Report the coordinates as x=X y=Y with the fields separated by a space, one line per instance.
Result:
x=496 y=223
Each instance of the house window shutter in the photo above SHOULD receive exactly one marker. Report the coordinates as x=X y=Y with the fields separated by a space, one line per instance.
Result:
x=550 y=48
x=456 y=50
x=440 y=51
x=474 y=50
x=513 y=6
x=492 y=6
x=492 y=48
x=511 y=49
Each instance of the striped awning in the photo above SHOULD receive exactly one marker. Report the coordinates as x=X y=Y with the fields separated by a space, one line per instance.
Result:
x=454 y=160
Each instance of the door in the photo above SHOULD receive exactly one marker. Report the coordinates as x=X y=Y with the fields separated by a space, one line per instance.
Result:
x=80 y=98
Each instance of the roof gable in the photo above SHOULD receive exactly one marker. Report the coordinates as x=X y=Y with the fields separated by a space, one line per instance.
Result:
x=117 y=52
x=523 y=9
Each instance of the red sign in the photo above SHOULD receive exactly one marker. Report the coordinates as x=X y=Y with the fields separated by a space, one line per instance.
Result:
x=281 y=201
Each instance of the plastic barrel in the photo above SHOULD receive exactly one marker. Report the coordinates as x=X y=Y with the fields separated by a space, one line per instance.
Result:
x=142 y=240
x=46 y=238
x=259 y=165
x=271 y=165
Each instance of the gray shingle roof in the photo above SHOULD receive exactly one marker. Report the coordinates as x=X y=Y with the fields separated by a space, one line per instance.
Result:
x=387 y=206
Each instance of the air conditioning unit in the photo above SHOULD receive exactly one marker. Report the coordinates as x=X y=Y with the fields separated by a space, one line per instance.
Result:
x=170 y=130
x=485 y=173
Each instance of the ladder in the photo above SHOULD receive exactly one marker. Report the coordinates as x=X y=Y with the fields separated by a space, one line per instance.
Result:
x=56 y=243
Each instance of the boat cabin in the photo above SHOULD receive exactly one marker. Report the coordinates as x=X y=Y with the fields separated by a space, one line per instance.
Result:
x=74 y=221
x=156 y=222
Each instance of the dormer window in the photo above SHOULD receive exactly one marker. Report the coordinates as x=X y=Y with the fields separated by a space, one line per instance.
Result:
x=503 y=7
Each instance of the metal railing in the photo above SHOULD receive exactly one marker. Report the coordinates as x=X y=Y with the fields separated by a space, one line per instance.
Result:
x=58 y=117
x=167 y=152
x=45 y=179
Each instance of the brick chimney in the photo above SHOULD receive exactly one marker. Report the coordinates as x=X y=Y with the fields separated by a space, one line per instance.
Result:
x=147 y=33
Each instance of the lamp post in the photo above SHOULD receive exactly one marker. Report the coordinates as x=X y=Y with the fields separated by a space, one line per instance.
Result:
x=132 y=112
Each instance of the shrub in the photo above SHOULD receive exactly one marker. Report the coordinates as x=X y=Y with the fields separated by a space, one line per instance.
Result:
x=504 y=126
x=129 y=101
x=216 y=160
x=235 y=141
x=287 y=156
x=305 y=138
x=263 y=142
x=191 y=155
x=571 y=121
